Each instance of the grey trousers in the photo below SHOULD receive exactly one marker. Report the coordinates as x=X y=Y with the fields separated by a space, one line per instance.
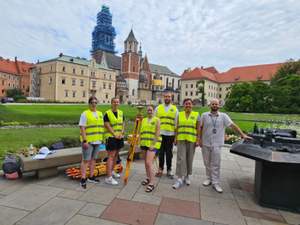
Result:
x=212 y=162
x=185 y=157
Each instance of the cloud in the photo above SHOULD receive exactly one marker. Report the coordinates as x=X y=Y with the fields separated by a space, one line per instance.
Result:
x=177 y=34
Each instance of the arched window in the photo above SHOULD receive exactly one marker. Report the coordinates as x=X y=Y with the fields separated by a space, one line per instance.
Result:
x=132 y=92
x=167 y=83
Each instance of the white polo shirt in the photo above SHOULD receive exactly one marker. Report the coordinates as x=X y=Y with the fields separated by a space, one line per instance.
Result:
x=210 y=122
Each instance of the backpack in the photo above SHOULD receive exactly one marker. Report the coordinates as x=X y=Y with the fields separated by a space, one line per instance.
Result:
x=11 y=168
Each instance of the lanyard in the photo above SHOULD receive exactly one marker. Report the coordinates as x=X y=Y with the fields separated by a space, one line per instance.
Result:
x=214 y=122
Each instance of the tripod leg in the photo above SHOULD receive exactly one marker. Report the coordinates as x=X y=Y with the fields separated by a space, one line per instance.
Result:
x=159 y=171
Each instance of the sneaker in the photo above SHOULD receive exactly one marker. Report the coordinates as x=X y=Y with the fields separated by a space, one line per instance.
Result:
x=93 y=179
x=170 y=175
x=218 y=188
x=207 y=182
x=115 y=175
x=187 y=180
x=178 y=184
x=111 y=181
x=83 y=183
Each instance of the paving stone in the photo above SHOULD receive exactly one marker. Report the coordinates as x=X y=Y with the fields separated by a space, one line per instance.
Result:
x=11 y=216
x=146 y=198
x=268 y=222
x=2 y=196
x=30 y=197
x=13 y=188
x=246 y=177
x=100 y=195
x=247 y=186
x=247 y=200
x=92 y=209
x=67 y=183
x=245 y=162
x=221 y=211
x=56 y=211
x=248 y=169
x=252 y=221
x=129 y=190
x=140 y=178
x=264 y=216
x=183 y=193
x=234 y=183
x=87 y=220
x=166 y=219
x=291 y=218
x=49 y=180
x=4 y=183
x=130 y=212
x=213 y=193
x=71 y=194
x=229 y=165
x=224 y=173
x=180 y=208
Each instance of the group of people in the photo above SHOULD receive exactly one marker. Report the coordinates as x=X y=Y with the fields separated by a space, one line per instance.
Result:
x=163 y=128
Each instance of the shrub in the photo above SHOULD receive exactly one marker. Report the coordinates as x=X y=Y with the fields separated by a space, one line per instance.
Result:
x=69 y=142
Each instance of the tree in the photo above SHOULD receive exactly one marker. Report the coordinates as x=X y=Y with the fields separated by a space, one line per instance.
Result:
x=285 y=95
x=13 y=91
x=261 y=95
x=201 y=90
x=290 y=67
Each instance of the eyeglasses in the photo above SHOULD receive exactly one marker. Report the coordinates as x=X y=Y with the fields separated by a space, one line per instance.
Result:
x=94 y=103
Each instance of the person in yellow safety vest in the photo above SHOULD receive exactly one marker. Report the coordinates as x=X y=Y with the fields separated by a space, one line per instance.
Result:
x=91 y=136
x=114 y=122
x=149 y=141
x=187 y=138
x=168 y=115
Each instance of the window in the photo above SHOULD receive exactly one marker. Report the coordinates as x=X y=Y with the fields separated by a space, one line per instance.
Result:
x=106 y=96
x=197 y=92
x=226 y=88
x=82 y=72
x=109 y=76
x=134 y=69
x=4 y=75
x=220 y=96
x=23 y=86
x=63 y=81
x=109 y=86
x=125 y=68
x=197 y=85
x=132 y=92
x=9 y=77
x=17 y=78
x=186 y=93
x=13 y=85
x=220 y=89
x=8 y=84
x=191 y=93
x=92 y=74
x=83 y=94
x=191 y=85
x=104 y=76
x=208 y=94
x=208 y=86
x=24 y=80
x=81 y=83
x=2 y=91
x=64 y=69
x=74 y=70
x=66 y=93
x=186 y=86
x=23 y=93
x=17 y=86
x=73 y=82
x=50 y=68
x=50 y=80
x=3 y=83
x=94 y=83
x=74 y=94
x=104 y=86
x=13 y=78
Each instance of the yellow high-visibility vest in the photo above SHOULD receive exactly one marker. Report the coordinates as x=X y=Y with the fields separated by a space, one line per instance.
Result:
x=187 y=129
x=148 y=132
x=115 y=124
x=94 y=128
x=167 y=119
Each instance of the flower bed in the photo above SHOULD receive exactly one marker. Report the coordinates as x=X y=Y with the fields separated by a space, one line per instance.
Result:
x=231 y=138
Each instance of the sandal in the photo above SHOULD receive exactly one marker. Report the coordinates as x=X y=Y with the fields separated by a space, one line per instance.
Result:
x=145 y=182
x=150 y=188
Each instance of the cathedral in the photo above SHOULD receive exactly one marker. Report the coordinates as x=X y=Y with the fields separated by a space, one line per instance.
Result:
x=137 y=80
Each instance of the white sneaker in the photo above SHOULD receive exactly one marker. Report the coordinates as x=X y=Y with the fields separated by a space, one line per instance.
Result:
x=218 y=188
x=207 y=182
x=187 y=180
x=111 y=181
x=178 y=184
x=115 y=175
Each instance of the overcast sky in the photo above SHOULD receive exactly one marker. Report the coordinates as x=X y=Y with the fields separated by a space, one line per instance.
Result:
x=174 y=33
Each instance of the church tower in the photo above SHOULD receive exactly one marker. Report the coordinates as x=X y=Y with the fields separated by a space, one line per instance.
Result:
x=131 y=65
x=103 y=35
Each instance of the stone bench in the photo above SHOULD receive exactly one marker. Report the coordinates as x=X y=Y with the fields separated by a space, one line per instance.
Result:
x=48 y=167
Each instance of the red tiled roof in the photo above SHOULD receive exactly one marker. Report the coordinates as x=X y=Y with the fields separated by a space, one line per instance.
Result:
x=200 y=74
x=248 y=73
x=24 y=67
x=211 y=69
x=8 y=66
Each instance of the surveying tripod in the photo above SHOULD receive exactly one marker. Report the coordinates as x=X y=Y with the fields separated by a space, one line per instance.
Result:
x=133 y=142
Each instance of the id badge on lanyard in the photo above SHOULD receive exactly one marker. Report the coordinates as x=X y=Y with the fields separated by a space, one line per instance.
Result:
x=214 y=124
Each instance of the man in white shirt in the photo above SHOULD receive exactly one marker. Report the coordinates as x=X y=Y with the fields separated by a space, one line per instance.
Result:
x=212 y=132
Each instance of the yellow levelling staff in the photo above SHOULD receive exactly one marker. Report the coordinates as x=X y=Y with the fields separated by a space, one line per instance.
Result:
x=100 y=169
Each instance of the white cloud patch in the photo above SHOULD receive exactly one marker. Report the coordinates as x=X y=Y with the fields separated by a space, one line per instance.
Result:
x=177 y=34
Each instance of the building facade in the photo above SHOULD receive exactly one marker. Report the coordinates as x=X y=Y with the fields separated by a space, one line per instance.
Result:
x=72 y=79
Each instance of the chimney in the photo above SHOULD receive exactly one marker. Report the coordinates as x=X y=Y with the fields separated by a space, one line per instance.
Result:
x=201 y=67
x=1 y=58
x=8 y=60
x=16 y=59
x=60 y=55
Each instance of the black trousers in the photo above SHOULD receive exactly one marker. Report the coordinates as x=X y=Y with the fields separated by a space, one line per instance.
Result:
x=166 y=147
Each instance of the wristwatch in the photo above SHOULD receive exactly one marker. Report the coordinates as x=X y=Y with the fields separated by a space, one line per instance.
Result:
x=198 y=139
x=122 y=133
x=84 y=141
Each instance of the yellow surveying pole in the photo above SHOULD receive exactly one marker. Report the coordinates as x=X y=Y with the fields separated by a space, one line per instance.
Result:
x=133 y=141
